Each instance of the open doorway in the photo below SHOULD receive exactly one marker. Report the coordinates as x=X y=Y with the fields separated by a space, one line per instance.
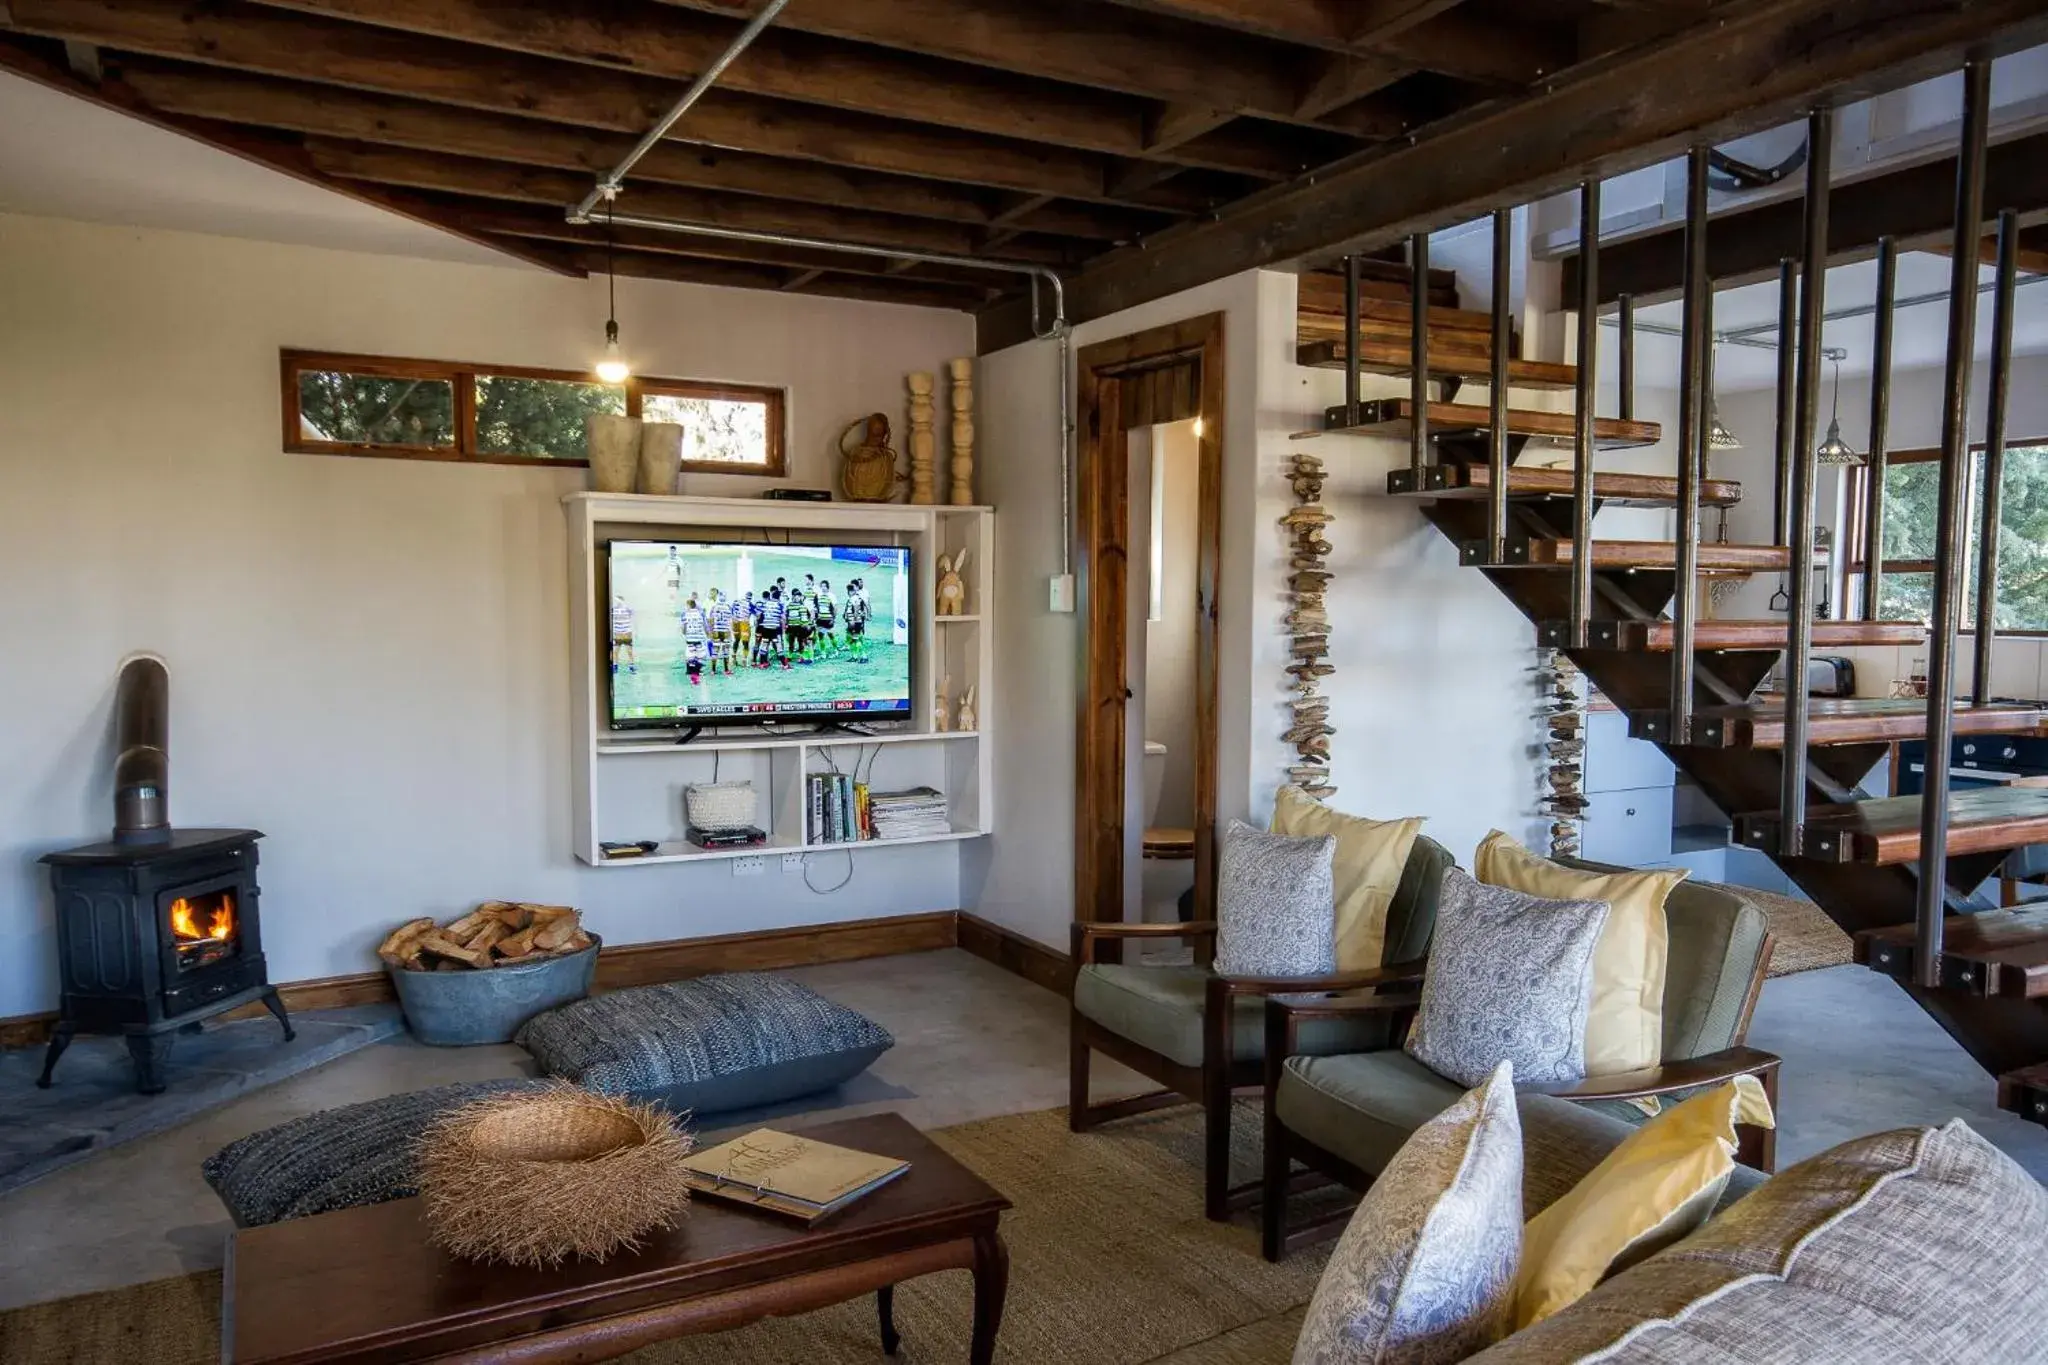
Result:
x=1149 y=516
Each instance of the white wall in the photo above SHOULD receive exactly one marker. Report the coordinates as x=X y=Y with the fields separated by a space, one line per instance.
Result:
x=1433 y=699
x=369 y=658
x=1023 y=877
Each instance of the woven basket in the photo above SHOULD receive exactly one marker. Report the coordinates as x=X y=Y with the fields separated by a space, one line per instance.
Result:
x=536 y=1177
x=720 y=805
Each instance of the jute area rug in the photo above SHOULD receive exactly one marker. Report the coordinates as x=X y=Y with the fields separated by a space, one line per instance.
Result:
x=1807 y=940
x=1111 y=1262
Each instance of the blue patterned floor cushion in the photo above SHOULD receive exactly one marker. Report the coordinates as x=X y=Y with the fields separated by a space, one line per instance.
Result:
x=335 y=1159
x=715 y=1043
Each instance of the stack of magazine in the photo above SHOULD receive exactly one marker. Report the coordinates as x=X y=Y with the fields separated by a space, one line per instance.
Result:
x=917 y=813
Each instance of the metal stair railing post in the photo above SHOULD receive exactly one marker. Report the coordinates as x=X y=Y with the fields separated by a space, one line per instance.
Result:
x=1820 y=131
x=1992 y=499
x=1874 y=470
x=1694 y=321
x=1418 y=357
x=1497 y=398
x=1788 y=390
x=1951 y=522
x=1351 y=342
x=1582 y=426
x=1625 y=308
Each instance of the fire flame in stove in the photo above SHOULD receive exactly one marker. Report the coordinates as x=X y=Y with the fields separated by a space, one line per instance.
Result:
x=220 y=924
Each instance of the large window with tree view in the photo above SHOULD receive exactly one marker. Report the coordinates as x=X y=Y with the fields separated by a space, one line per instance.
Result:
x=497 y=414
x=1911 y=487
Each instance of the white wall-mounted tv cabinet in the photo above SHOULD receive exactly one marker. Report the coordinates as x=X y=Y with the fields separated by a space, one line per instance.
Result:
x=629 y=783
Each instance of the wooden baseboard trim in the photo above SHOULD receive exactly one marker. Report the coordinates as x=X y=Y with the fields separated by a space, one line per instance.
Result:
x=630 y=964
x=1028 y=958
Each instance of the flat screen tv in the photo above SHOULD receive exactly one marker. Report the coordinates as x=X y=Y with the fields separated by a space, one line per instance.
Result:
x=723 y=634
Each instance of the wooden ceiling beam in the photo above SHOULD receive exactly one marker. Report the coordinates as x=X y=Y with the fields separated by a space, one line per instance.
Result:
x=525 y=184
x=1744 y=246
x=1082 y=42
x=237 y=97
x=660 y=41
x=1752 y=64
x=270 y=151
x=1334 y=25
x=333 y=52
x=683 y=269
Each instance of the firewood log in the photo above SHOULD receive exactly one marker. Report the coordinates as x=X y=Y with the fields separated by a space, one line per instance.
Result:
x=512 y=915
x=462 y=928
x=441 y=945
x=521 y=943
x=482 y=939
x=557 y=932
x=546 y=912
x=394 y=948
x=576 y=944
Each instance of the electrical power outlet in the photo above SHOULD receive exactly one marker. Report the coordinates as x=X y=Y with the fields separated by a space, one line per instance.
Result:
x=749 y=867
x=792 y=862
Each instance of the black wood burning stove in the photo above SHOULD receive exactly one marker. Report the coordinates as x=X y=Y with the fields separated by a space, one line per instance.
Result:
x=156 y=929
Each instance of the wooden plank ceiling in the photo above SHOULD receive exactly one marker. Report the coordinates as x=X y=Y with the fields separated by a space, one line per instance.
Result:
x=1045 y=131
x=1068 y=133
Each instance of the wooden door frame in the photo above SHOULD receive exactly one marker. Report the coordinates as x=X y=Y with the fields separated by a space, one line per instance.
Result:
x=1102 y=523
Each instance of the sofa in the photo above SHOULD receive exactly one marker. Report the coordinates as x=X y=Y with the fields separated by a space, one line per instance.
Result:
x=1907 y=1247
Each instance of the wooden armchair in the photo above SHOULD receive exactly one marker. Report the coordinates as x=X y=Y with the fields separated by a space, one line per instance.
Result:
x=1346 y=1115
x=1201 y=1036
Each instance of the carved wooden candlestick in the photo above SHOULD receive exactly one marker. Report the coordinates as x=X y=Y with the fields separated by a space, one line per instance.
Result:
x=962 y=396
x=1308 y=624
x=924 y=488
x=1563 y=706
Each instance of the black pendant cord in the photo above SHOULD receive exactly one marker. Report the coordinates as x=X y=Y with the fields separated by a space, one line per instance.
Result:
x=611 y=278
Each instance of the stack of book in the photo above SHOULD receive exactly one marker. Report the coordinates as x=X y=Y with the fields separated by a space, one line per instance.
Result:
x=838 y=809
x=786 y=1173
x=917 y=813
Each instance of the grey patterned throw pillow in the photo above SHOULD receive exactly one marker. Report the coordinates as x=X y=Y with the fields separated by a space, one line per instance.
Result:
x=1510 y=978
x=1276 y=911
x=1425 y=1272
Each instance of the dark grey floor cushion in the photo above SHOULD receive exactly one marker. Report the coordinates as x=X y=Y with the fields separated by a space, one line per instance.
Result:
x=722 y=1042
x=335 y=1159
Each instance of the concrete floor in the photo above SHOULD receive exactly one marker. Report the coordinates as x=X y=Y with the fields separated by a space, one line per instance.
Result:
x=973 y=1041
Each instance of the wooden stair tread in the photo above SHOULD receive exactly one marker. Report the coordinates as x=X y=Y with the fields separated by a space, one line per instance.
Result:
x=1323 y=290
x=1377 y=356
x=1844 y=720
x=1461 y=479
x=1547 y=552
x=2024 y=1091
x=1655 y=637
x=1886 y=830
x=2010 y=946
x=1389 y=417
x=1323 y=316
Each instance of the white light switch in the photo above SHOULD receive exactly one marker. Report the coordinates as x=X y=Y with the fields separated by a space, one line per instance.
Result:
x=1063 y=592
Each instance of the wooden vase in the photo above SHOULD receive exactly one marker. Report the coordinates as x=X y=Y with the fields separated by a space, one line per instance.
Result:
x=613 y=447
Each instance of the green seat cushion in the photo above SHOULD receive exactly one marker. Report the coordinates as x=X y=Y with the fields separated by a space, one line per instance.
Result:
x=1362 y=1108
x=1160 y=1009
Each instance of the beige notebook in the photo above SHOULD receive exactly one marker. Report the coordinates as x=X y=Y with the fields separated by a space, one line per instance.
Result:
x=789 y=1174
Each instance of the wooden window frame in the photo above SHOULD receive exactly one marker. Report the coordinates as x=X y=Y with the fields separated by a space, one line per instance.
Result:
x=462 y=377
x=1859 y=493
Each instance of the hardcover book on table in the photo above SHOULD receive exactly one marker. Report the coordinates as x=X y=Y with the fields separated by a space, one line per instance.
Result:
x=789 y=1174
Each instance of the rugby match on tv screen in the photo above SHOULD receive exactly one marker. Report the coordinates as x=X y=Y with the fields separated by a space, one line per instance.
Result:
x=700 y=633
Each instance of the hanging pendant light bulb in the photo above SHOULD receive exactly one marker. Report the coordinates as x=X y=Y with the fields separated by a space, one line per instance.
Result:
x=1719 y=437
x=611 y=366
x=1835 y=450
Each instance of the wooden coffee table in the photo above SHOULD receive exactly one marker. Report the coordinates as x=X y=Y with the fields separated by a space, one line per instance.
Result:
x=365 y=1285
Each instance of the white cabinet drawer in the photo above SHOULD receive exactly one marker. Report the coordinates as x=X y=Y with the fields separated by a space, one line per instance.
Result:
x=1631 y=827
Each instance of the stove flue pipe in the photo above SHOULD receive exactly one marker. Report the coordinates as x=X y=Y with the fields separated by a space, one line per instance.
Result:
x=142 y=734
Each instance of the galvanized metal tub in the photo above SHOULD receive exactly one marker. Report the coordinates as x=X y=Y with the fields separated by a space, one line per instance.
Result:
x=460 y=1009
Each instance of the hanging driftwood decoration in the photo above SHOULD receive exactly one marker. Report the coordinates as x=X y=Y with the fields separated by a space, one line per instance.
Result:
x=1307 y=624
x=1561 y=703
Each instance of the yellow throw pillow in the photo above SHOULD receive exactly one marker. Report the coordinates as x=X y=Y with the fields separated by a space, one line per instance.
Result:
x=1655 y=1188
x=1625 y=1030
x=1370 y=857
